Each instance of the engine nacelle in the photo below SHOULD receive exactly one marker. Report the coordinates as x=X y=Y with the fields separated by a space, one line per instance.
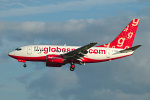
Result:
x=54 y=60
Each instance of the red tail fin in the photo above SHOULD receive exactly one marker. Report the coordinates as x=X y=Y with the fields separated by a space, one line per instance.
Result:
x=125 y=38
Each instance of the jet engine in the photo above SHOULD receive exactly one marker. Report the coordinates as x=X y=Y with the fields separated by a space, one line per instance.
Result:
x=54 y=60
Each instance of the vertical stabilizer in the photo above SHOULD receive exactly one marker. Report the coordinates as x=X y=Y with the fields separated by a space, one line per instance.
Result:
x=125 y=39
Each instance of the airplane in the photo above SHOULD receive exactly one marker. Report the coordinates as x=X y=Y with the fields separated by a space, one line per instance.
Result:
x=57 y=56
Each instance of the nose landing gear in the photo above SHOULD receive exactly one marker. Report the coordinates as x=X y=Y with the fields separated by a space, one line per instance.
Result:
x=25 y=65
x=19 y=60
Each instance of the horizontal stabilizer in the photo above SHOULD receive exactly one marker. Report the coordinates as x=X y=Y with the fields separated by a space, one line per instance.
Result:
x=130 y=49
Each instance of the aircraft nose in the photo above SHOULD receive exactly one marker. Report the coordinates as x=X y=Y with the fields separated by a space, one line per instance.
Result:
x=11 y=54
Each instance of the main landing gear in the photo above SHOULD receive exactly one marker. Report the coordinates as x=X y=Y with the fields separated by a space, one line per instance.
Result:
x=72 y=67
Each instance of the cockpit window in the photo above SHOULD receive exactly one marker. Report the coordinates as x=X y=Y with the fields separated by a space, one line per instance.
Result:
x=18 y=49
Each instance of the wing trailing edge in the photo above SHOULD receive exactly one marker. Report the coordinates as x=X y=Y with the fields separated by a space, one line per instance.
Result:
x=79 y=52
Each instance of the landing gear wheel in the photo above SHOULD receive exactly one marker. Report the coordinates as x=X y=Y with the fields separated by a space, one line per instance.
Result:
x=72 y=67
x=24 y=65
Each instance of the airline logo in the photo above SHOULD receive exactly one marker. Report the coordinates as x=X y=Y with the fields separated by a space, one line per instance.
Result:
x=46 y=50
x=125 y=38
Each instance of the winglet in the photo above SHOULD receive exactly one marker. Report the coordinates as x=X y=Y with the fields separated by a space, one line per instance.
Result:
x=93 y=43
x=130 y=49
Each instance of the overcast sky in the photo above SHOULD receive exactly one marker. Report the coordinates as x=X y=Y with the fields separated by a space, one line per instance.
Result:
x=73 y=22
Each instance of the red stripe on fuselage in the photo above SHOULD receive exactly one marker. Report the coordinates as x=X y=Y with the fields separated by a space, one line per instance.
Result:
x=42 y=58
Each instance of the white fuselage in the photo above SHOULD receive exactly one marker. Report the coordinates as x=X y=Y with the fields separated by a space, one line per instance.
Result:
x=39 y=53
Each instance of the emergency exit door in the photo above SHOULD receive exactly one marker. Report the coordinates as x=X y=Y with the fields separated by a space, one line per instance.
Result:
x=29 y=50
x=108 y=53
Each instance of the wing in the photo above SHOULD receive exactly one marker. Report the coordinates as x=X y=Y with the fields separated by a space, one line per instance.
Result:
x=78 y=53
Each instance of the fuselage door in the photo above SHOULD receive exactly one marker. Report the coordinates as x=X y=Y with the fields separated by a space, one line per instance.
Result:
x=29 y=50
x=108 y=53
